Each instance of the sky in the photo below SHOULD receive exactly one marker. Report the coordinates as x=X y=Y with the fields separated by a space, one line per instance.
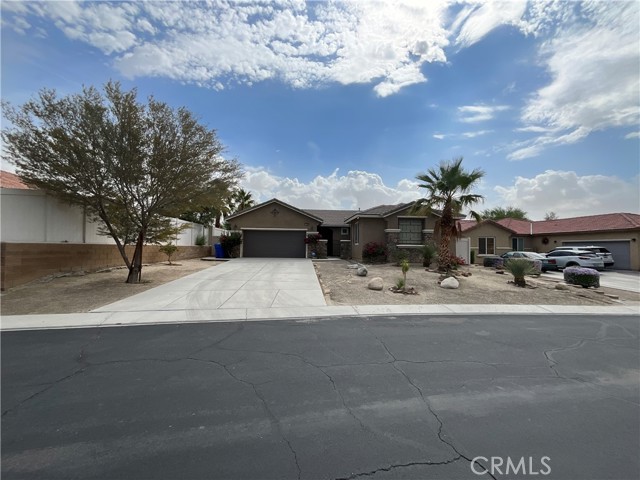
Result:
x=342 y=104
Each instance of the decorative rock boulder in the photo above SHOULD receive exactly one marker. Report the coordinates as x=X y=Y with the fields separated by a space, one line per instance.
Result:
x=362 y=271
x=450 y=282
x=375 y=284
x=562 y=286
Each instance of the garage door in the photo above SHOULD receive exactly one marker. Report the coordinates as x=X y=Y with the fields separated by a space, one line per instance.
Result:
x=273 y=243
x=621 y=251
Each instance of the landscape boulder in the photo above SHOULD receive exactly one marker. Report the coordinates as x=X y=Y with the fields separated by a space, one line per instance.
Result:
x=450 y=282
x=375 y=284
x=362 y=271
x=562 y=286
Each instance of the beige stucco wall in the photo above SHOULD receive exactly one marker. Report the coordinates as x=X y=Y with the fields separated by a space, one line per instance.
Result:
x=592 y=239
x=503 y=239
x=263 y=218
x=371 y=230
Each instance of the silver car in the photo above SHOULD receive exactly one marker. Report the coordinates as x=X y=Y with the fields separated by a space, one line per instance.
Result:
x=569 y=258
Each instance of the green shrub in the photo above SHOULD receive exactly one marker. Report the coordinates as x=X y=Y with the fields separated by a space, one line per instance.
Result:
x=399 y=256
x=519 y=268
x=169 y=249
x=429 y=252
x=230 y=243
x=473 y=257
x=585 y=277
x=201 y=240
x=400 y=284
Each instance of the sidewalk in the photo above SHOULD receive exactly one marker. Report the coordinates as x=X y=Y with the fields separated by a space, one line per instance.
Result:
x=156 y=317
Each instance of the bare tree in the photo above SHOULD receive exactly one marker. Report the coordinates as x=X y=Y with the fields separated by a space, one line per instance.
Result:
x=550 y=216
x=130 y=164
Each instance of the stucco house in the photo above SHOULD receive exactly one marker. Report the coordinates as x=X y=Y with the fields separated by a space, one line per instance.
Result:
x=618 y=232
x=277 y=229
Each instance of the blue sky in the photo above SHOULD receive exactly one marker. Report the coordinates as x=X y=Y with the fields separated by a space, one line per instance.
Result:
x=342 y=104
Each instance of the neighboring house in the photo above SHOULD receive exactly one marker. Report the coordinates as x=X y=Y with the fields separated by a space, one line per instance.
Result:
x=618 y=232
x=41 y=235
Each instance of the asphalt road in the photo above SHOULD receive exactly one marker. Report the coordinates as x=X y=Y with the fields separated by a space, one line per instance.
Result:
x=413 y=397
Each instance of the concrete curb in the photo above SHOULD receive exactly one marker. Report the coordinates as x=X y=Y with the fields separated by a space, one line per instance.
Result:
x=158 y=317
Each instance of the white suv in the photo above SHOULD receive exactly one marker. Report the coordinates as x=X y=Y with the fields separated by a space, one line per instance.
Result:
x=601 y=252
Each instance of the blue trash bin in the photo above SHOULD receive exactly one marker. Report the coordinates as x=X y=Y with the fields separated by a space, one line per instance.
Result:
x=219 y=251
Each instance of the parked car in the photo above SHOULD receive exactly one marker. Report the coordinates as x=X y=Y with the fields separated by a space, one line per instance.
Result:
x=606 y=255
x=540 y=262
x=579 y=258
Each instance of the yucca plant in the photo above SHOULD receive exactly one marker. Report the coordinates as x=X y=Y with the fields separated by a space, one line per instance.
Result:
x=404 y=264
x=519 y=268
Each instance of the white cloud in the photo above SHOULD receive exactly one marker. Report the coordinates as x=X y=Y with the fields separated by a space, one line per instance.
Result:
x=477 y=22
x=479 y=113
x=631 y=135
x=302 y=44
x=570 y=195
x=356 y=189
x=594 y=84
x=439 y=136
x=477 y=133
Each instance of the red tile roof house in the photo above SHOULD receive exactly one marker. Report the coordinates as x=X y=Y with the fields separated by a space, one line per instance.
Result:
x=618 y=232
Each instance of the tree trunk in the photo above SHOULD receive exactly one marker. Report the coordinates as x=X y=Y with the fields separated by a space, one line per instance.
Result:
x=444 y=256
x=135 y=270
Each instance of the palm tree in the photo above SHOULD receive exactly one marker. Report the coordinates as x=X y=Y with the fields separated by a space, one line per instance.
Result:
x=242 y=200
x=448 y=189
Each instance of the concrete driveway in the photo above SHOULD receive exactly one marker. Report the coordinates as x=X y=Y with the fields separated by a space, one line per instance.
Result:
x=620 y=279
x=240 y=283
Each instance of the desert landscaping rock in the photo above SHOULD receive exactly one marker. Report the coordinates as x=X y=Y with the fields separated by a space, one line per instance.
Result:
x=562 y=286
x=375 y=283
x=483 y=287
x=362 y=271
x=450 y=283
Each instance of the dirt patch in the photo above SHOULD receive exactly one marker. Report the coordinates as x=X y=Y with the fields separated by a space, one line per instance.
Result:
x=484 y=286
x=82 y=293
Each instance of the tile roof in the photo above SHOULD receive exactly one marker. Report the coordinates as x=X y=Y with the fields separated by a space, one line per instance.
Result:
x=590 y=223
x=332 y=218
x=599 y=223
x=11 y=180
x=273 y=200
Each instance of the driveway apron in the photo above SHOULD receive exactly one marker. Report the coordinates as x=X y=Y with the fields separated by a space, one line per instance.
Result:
x=241 y=283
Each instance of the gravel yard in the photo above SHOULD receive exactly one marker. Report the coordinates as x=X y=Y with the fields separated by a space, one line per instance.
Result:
x=484 y=286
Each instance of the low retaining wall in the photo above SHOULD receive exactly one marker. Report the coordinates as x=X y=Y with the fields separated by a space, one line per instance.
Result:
x=24 y=262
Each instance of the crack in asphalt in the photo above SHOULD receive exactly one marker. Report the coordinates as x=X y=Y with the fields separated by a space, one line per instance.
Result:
x=395 y=466
x=238 y=329
x=426 y=403
x=553 y=363
x=40 y=392
x=272 y=418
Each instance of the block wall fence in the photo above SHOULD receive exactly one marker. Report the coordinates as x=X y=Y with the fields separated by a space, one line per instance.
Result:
x=21 y=263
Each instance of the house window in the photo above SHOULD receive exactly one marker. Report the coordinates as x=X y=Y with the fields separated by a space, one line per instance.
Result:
x=517 y=244
x=486 y=246
x=356 y=233
x=344 y=231
x=410 y=231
